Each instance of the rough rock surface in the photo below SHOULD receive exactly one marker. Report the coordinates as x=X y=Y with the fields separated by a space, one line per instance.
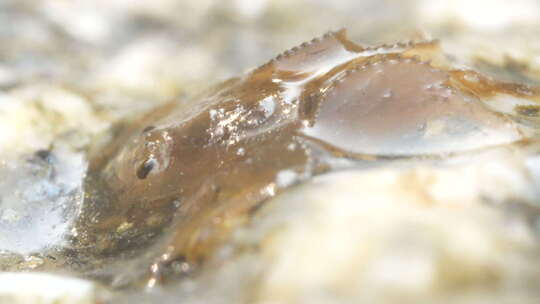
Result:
x=73 y=72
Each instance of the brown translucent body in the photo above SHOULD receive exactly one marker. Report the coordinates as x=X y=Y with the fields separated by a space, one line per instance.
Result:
x=199 y=168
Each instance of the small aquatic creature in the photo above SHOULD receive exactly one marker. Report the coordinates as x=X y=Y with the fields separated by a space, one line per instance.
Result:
x=199 y=168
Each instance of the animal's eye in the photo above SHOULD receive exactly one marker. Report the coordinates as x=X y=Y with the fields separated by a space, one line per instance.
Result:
x=145 y=168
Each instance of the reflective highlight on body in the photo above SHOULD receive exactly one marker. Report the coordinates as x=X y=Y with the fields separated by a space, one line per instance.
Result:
x=197 y=169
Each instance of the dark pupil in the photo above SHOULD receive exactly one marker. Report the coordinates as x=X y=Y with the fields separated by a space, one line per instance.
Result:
x=145 y=168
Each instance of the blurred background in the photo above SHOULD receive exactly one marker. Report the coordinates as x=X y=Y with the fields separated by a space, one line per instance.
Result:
x=162 y=48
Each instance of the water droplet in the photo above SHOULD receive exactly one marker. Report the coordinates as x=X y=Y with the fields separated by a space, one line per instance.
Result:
x=241 y=152
x=268 y=106
x=471 y=77
x=213 y=113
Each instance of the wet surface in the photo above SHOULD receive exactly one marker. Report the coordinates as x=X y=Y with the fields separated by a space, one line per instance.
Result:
x=336 y=172
x=170 y=187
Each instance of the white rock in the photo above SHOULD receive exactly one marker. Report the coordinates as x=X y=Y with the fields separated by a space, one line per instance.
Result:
x=45 y=289
x=398 y=236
